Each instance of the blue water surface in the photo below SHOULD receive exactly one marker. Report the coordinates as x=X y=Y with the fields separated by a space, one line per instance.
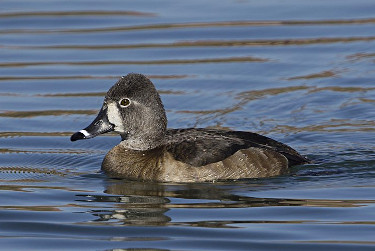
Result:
x=301 y=72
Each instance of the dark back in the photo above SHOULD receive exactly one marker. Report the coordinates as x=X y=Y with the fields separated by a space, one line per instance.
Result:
x=199 y=147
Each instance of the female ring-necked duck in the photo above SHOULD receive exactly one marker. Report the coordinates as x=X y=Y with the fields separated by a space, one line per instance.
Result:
x=150 y=151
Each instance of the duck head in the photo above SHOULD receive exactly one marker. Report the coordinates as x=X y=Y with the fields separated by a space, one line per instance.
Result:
x=133 y=108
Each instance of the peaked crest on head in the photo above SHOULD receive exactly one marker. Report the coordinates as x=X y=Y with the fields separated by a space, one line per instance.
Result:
x=133 y=85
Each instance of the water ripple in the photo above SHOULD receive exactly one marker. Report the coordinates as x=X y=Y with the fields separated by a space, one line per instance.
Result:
x=74 y=13
x=139 y=62
x=205 y=43
x=15 y=78
x=194 y=25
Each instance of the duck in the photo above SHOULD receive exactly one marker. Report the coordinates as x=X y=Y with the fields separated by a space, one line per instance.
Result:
x=149 y=151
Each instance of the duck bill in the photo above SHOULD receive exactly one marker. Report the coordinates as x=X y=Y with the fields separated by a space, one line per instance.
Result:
x=99 y=126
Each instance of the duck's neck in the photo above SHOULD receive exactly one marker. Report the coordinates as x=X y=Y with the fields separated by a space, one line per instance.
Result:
x=142 y=142
x=149 y=135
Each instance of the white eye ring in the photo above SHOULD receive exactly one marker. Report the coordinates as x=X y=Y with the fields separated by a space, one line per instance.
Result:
x=125 y=102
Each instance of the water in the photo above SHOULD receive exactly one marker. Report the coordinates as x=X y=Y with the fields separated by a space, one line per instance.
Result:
x=301 y=72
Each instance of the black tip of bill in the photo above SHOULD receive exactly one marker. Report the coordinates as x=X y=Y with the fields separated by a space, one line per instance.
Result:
x=77 y=136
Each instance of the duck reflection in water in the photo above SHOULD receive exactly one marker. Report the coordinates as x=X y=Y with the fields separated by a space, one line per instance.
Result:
x=148 y=203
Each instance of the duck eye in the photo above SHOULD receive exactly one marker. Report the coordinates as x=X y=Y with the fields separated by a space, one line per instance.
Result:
x=125 y=102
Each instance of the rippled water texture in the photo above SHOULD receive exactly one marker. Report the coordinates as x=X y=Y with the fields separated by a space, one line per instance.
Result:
x=301 y=72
